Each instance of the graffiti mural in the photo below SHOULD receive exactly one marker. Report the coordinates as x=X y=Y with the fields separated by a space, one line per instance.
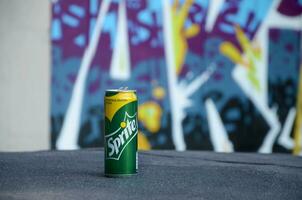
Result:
x=220 y=75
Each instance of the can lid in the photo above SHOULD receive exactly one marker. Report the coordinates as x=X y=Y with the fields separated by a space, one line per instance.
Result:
x=121 y=89
x=111 y=92
x=118 y=90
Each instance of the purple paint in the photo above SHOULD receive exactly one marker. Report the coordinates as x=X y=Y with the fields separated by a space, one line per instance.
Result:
x=94 y=86
x=290 y=8
x=289 y=48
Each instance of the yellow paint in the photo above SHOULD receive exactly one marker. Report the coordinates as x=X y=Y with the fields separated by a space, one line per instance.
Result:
x=123 y=124
x=158 y=92
x=180 y=34
x=251 y=49
x=251 y=54
x=150 y=115
x=192 y=31
x=143 y=143
x=298 y=123
x=112 y=105
x=242 y=39
x=230 y=51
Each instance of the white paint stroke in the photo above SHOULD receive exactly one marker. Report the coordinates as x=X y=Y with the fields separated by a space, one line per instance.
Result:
x=212 y=14
x=284 y=139
x=188 y=89
x=120 y=63
x=68 y=137
x=199 y=81
x=271 y=117
x=177 y=131
x=218 y=134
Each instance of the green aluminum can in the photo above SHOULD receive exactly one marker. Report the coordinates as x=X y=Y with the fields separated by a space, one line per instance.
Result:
x=121 y=128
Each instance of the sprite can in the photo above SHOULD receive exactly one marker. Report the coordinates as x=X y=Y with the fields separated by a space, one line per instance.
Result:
x=121 y=128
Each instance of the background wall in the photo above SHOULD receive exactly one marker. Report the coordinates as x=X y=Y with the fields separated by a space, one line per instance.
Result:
x=24 y=75
x=232 y=66
x=218 y=75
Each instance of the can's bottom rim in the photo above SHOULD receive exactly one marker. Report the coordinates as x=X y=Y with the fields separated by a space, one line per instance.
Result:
x=119 y=175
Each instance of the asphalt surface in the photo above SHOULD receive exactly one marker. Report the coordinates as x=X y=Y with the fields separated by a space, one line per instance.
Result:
x=162 y=175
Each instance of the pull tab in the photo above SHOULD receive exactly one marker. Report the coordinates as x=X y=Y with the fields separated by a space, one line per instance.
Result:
x=123 y=88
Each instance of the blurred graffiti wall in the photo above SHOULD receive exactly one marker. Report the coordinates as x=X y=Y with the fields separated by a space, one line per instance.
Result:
x=218 y=75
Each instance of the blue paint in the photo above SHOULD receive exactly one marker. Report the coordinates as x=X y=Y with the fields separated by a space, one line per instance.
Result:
x=91 y=26
x=95 y=74
x=283 y=64
x=145 y=17
x=134 y=4
x=77 y=10
x=56 y=31
x=188 y=23
x=198 y=63
x=61 y=69
x=203 y=3
x=198 y=17
x=226 y=28
x=225 y=6
x=70 y=21
x=154 y=6
x=188 y=128
x=93 y=6
x=161 y=139
x=233 y=114
x=57 y=8
x=95 y=130
x=290 y=91
x=245 y=8
x=110 y=26
x=192 y=9
x=80 y=40
x=230 y=127
x=140 y=34
x=160 y=38
x=95 y=99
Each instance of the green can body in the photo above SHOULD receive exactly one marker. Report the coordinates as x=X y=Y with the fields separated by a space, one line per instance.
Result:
x=121 y=129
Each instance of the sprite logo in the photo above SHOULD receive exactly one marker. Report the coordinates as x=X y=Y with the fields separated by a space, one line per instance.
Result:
x=117 y=141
